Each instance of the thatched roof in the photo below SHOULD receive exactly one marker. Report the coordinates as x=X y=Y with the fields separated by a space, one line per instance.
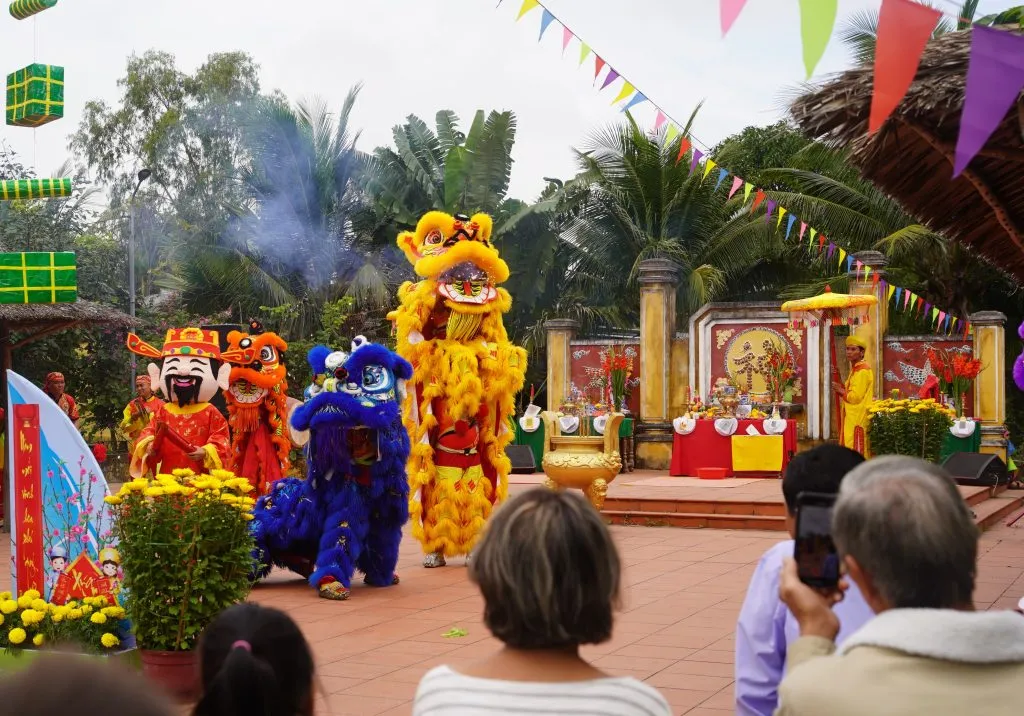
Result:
x=23 y=316
x=911 y=156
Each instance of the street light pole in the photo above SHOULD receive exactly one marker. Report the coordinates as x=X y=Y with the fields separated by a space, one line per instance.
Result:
x=143 y=175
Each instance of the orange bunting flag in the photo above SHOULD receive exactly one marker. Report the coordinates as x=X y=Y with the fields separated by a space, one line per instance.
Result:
x=758 y=198
x=821 y=242
x=684 y=147
x=904 y=28
x=598 y=66
x=526 y=7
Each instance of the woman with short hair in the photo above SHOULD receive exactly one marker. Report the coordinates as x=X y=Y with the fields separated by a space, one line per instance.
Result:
x=549 y=574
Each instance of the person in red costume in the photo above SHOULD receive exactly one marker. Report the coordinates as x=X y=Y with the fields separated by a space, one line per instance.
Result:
x=186 y=431
x=259 y=409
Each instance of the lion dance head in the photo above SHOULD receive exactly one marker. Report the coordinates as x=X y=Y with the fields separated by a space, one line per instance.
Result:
x=258 y=387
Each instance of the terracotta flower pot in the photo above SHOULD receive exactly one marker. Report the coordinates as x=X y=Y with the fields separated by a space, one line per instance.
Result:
x=176 y=671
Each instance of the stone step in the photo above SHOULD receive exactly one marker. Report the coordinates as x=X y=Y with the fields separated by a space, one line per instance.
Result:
x=696 y=520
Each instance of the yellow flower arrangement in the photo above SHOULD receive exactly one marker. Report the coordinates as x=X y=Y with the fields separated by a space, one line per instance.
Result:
x=904 y=426
x=98 y=618
x=17 y=636
x=109 y=641
x=38 y=639
x=8 y=606
x=82 y=623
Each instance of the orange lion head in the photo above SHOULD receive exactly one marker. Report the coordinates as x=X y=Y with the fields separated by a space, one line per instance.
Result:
x=456 y=252
x=260 y=370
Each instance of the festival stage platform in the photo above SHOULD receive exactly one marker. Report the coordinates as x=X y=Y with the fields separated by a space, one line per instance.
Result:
x=654 y=499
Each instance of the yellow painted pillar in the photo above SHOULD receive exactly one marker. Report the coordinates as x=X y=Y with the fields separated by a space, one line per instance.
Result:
x=658 y=281
x=990 y=386
x=873 y=332
x=560 y=332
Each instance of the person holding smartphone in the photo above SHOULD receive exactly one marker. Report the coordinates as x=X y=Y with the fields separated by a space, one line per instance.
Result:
x=908 y=542
x=766 y=628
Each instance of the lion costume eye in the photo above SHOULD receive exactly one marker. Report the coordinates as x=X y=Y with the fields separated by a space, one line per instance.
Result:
x=267 y=354
x=434 y=238
x=376 y=377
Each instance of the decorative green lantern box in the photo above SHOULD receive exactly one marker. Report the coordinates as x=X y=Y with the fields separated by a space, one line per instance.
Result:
x=35 y=95
x=38 y=277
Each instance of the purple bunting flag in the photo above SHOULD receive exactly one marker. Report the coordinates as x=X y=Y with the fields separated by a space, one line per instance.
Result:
x=831 y=250
x=769 y=209
x=697 y=154
x=995 y=77
x=610 y=77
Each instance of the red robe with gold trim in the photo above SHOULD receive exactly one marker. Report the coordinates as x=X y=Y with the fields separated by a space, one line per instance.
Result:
x=200 y=424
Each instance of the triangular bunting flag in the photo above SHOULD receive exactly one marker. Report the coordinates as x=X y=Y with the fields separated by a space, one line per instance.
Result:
x=769 y=209
x=857 y=268
x=566 y=38
x=810 y=238
x=817 y=18
x=789 y=225
x=526 y=7
x=935 y=314
x=610 y=77
x=831 y=250
x=659 y=120
x=637 y=99
x=598 y=66
x=942 y=316
x=758 y=198
x=803 y=229
x=708 y=166
x=995 y=77
x=626 y=91
x=584 y=53
x=899 y=294
x=722 y=174
x=842 y=256
x=889 y=292
x=849 y=264
x=747 y=187
x=684 y=147
x=821 y=242
x=545 y=21
x=728 y=11
x=736 y=184
x=904 y=28
x=670 y=134
x=697 y=154
x=782 y=212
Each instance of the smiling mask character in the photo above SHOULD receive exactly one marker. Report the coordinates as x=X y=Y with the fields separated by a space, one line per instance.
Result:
x=187 y=431
x=259 y=406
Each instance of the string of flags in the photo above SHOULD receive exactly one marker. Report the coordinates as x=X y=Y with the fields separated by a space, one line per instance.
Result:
x=816 y=242
x=995 y=69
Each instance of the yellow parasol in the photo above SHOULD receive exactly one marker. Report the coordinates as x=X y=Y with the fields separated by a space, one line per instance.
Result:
x=839 y=309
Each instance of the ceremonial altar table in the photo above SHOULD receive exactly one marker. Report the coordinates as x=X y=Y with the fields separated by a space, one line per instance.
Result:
x=952 y=444
x=757 y=455
x=535 y=441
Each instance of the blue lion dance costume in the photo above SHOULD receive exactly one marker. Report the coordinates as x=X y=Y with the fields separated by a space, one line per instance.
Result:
x=349 y=511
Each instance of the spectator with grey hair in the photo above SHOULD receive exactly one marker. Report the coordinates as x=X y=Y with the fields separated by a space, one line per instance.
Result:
x=908 y=541
x=549 y=573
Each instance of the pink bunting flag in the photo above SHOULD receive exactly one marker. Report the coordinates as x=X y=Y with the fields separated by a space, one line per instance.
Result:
x=995 y=77
x=610 y=77
x=659 y=120
x=803 y=228
x=736 y=184
x=729 y=10
x=858 y=265
x=904 y=28
x=697 y=154
x=566 y=38
x=906 y=299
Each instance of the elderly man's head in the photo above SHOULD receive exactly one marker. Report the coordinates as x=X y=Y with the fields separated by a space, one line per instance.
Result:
x=906 y=535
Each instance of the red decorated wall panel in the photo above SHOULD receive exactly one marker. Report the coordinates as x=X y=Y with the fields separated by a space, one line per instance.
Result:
x=740 y=349
x=586 y=370
x=906 y=364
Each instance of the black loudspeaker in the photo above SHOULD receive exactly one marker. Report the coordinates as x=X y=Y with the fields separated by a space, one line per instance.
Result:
x=522 y=459
x=978 y=469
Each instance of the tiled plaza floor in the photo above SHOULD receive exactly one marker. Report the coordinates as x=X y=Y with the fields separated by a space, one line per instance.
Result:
x=683 y=593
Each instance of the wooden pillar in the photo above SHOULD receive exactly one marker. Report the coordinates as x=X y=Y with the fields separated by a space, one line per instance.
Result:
x=560 y=332
x=990 y=386
x=873 y=332
x=659 y=279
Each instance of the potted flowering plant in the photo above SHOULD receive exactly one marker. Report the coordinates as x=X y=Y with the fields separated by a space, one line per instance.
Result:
x=908 y=427
x=779 y=371
x=956 y=372
x=618 y=367
x=187 y=555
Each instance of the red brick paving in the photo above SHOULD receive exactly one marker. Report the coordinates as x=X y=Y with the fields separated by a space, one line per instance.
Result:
x=683 y=592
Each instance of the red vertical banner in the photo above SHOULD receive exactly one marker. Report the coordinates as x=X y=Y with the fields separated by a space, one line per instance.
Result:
x=28 y=499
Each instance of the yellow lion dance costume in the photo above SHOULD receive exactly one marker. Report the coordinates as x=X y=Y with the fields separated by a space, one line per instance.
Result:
x=466 y=375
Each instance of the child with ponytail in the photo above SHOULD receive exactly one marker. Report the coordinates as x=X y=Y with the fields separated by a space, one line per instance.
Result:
x=254 y=661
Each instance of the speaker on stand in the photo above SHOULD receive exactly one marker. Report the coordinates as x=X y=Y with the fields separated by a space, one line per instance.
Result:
x=522 y=459
x=977 y=469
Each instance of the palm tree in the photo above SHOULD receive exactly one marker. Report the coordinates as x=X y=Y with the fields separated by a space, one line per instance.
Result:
x=635 y=202
x=859 y=32
x=296 y=241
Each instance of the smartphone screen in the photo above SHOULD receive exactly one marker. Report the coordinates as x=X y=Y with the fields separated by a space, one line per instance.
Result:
x=815 y=553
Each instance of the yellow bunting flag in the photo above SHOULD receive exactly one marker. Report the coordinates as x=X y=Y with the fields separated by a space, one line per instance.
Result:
x=867 y=272
x=584 y=52
x=935 y=314
x=708 y=166
x=670 y=134
x=810 y=240
x=526 y=7
x=817 y=18
x=842 y=257
x=747 y=187
x=782 y=212
x=626 y=91
x=889 y=292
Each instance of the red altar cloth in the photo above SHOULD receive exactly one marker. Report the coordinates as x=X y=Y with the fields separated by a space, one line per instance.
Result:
x=704 y=447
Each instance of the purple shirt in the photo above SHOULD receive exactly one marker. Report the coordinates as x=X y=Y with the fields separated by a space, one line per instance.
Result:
x=766 y=627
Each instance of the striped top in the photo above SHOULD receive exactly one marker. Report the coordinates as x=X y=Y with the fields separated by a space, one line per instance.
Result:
x=443 y=692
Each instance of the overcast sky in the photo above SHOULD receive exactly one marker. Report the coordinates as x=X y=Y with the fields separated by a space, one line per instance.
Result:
x=418 y=56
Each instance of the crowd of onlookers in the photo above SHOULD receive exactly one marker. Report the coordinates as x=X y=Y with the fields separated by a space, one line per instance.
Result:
x=898 y=635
